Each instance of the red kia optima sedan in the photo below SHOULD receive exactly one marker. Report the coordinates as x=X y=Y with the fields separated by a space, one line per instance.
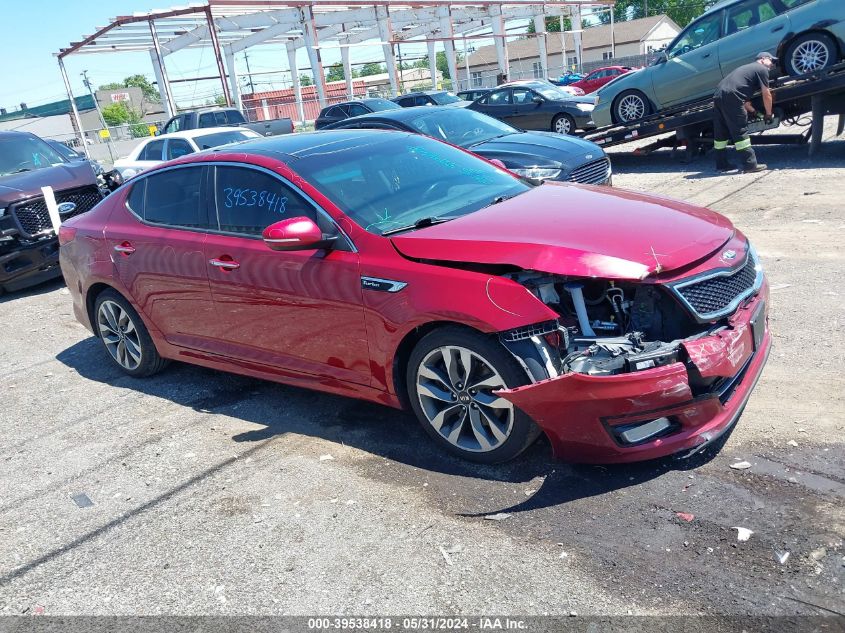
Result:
x=398 y=269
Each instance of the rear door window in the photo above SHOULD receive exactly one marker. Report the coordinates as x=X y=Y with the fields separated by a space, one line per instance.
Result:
x=356 y=109
x=748 y=14
x=153 y=151
x=171 y=198
x=178 y=147
x=247 y=201
x=499 y=97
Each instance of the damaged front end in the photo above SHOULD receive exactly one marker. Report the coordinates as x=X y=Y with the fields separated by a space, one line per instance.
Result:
x=639 y=369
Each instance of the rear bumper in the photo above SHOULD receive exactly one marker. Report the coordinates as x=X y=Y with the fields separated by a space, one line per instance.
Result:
x=25 y=266
x=584 y=416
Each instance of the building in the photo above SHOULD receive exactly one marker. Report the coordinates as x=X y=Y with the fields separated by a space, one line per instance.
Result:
x=275 y=104
x=631 y=39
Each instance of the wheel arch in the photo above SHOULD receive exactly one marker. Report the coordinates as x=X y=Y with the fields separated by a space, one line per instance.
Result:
x=407 y=345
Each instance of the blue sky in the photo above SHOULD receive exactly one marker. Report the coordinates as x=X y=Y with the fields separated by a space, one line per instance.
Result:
x=39 y=28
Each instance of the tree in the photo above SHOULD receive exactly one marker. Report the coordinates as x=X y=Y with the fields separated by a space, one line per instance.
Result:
x=440 y=62
x=552 y=24
x=336 y=73
x=135 y=81
x=372 y=68
x=120 y=114
x=681 y=11
x=305 y=80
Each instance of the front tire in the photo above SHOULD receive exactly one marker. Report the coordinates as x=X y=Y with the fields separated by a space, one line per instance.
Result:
x=809 y=53
x=451 y=376
x=124 y=336
x=563 y=124
x=630 y=106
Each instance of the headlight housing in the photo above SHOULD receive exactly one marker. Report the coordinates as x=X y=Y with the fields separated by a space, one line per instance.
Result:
x=585 y=107
x=538 y=173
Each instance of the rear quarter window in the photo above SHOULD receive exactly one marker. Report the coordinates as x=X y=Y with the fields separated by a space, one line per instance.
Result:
x=172 y=198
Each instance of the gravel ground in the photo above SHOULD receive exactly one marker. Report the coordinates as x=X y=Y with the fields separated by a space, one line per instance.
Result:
x=217 y=494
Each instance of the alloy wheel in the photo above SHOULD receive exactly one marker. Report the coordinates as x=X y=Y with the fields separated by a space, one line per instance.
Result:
x=631 y=108
x=455 y=389
x=119 y=335
x=562 y=126
x=810 y=56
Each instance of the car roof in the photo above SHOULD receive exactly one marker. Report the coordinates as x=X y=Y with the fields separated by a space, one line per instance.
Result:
x=718 y=6
x=404 y=114
x=202 y=131
x=422 y=92
x=13 y=133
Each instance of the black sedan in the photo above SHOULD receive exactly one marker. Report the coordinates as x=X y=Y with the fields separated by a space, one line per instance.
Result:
x=538 y=105
x=537 y=155
x=430 y=98
x=340 y=111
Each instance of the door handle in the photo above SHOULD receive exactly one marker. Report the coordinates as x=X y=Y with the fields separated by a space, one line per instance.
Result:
x=777 y=28
x=225 y=264
x=125 y=248
x=705 y=56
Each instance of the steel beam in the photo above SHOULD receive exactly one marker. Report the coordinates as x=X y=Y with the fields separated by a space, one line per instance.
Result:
x=161 y=73
x=234 y=88
x=77 y=122
x=577 y=27
x=347 y=70
x=385 y=29
x=294 y=75
x=312 y=44
x=446 y=30
x=499 y=34
x=540 y=29
x=432 y=62
x=218 y=57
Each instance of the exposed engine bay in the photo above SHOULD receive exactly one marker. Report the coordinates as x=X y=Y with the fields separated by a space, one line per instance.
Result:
x=604 y=328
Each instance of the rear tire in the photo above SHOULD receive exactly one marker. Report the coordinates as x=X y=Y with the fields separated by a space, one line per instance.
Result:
x=809 y=53
x=124 y=336
x=450 y=377
x=563 y=124
x=630 y=106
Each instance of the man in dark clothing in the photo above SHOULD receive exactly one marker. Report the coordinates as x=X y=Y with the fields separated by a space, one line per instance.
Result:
x=732 y=108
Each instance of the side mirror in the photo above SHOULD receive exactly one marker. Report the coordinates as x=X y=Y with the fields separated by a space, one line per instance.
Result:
x=295 y=234
x=498 y=163
x=538 y=100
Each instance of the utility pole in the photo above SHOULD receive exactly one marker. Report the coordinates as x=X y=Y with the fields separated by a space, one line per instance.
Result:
x=109 y=140
x=645 y=8
x=249 y=73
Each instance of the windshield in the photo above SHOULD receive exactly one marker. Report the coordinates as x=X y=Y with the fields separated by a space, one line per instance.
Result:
x=460 y=126
x=64 y=150
x=26 y=153
x=445 y=98
x=392 y=180
x=223 y=138
x=377 y=105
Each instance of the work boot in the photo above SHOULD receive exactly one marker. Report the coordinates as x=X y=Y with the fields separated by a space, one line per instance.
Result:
x=749 y=162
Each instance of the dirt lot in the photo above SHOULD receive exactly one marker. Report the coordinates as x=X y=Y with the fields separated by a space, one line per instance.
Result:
x=214 y=494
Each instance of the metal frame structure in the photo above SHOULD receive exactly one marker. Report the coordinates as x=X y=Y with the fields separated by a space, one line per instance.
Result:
x=232 y=26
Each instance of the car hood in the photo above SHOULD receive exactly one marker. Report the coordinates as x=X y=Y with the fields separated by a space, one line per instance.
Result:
x=539 y=149
x=27 y=184
x=578 y=231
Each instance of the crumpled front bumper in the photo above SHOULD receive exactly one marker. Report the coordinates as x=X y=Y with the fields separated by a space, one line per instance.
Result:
x=578 y=412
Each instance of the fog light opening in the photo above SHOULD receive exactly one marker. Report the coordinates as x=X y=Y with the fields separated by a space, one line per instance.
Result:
x=641 y=432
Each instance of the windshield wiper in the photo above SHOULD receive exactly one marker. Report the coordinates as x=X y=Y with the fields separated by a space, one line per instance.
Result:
x=21 y=170
x=419 y=224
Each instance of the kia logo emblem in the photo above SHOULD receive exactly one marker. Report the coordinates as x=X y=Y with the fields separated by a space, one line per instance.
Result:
x=729 y=255
x=66 y=208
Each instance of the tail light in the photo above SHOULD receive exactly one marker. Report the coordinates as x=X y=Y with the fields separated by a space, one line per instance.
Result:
x=66 y=234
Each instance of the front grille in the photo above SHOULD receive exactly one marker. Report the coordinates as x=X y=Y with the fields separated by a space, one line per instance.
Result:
x=32 y=215
x=717 y=295
x=594 y=173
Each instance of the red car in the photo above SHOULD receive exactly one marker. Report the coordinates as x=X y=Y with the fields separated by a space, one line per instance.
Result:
x=600 y=77
x=398 y=269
